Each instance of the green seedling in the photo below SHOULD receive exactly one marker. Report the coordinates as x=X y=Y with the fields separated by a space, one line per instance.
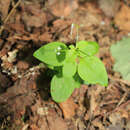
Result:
x=73 y=65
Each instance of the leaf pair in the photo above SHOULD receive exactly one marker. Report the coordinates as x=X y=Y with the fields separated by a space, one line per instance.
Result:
x=92 y=70
x=87 y=48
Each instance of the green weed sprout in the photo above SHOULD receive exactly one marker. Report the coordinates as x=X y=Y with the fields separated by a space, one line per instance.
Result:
x=73 y=64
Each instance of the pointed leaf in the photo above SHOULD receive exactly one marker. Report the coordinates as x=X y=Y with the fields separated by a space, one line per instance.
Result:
x=62 y=88
x=87 y=47
x=49 y=53
x=92 y=70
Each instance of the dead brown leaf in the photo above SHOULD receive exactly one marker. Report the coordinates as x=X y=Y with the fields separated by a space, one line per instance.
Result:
x=68 y=107
x=115 y=118
x=55 y=122
x=122 y=19
x=98 y=123
x=19 y=96
x=87 y=17
x=33 y=15
x=109 y=7
x=22 y=65
x=62 y=8
x=34 y=21
x=61 y=24
x=45 y=37
x=18 y=27
x=4 y=7
x=51 y=121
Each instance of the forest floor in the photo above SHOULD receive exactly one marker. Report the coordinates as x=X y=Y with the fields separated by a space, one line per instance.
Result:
x=25 y=101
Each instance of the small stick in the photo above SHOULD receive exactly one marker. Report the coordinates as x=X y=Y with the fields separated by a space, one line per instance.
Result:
x=9 y=15
x=119 y=80
x=122 y=99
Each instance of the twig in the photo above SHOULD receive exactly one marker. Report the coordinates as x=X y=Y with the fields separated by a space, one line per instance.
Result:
x=9 y=15
x=119 y=80
x=122 y=99
x=121 y=106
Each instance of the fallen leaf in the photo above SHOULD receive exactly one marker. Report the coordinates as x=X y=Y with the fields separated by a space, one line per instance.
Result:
x=45 y=37
x=90 y=14
x=120 y=52
x=68 y=107
x=22 y=65
x=98 y=123
x=115 y=118
x=109 y=7
x=34 y=21
x=55 y=122
x=18 y=27
x=51 y=121
x=122 y=19
x=114 y=127
x=15 y=96
x=33 y=15
x=4 y=7
x=62 y=8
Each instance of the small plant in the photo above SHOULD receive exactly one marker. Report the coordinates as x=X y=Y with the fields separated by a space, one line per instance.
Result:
x=73 y=65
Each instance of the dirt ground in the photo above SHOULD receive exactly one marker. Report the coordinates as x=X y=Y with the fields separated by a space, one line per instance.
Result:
x=25 y=101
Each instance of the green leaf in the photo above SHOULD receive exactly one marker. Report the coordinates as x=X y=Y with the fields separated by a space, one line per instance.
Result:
x=121 y=53
x=72 y=47
x=92 y=70
x=62 y=87
x=69 y=69
x=87 y=48
x=49 y=53
x=70 y=65
x=71 y=55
